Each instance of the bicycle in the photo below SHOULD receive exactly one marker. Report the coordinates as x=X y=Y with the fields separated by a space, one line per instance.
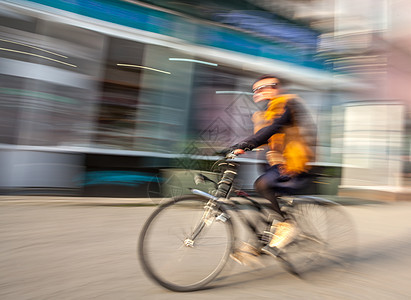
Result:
x=186 y=242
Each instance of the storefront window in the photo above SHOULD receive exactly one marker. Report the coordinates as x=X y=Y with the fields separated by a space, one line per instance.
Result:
x=118 y=103
x=49 y=85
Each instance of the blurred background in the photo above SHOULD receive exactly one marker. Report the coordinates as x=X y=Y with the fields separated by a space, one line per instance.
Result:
x=106 y=98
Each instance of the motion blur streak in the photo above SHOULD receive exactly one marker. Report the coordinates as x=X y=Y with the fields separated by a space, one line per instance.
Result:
x=37 y=48
x=113 y=100
x=194 y=61
x=37 y=55
x=143 y=67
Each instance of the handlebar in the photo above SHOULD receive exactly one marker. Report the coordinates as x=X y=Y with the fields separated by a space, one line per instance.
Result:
x=231 y=154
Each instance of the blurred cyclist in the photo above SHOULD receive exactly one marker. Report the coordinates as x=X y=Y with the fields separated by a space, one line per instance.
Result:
x=290 y=133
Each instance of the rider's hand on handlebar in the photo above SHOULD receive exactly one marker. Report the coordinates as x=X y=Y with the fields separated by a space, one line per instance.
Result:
x=238 y=151
x=232 y=150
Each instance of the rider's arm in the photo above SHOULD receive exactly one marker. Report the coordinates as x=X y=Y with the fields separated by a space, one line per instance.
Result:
x=263 y=135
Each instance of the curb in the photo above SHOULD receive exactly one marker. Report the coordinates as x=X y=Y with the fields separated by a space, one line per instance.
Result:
x=112 y=201
x=77 y=200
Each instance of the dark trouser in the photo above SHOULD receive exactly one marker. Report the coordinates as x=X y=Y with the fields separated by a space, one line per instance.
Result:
x=272 y=184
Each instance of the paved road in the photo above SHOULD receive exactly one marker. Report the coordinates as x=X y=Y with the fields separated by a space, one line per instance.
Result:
x=69 y=251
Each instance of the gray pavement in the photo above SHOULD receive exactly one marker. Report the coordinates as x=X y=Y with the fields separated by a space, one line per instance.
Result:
x=72 y=248
x=46 y=199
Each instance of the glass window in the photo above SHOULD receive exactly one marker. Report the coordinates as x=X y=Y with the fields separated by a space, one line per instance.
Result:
x=118 y=104
x=50 y=82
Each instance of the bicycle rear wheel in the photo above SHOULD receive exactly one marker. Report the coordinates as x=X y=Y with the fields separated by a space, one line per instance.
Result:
x=326 y=238
x=182 y=248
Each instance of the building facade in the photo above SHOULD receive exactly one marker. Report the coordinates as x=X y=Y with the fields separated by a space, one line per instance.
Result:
x=97 y=96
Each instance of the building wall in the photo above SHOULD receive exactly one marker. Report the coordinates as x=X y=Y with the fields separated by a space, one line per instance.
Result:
x=81 y=85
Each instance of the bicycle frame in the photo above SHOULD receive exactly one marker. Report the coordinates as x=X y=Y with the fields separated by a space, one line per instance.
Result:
x=223 y=195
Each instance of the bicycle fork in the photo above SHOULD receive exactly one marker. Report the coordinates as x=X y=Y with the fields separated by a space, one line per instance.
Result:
x=210 y=215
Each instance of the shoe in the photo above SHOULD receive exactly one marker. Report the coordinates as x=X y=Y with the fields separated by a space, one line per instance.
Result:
x=284 y=234
x=246 y=255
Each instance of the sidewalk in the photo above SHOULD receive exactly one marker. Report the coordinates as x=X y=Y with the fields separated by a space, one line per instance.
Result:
x=29 y=199
x=380 y=193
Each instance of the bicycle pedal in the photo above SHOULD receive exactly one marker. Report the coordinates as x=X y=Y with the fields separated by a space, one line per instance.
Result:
x=272 y=251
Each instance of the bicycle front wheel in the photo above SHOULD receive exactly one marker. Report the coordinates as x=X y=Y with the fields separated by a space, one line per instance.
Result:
x=185 y=243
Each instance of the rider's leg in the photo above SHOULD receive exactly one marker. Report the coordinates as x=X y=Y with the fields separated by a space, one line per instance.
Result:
x=273 y=183
x=266 y=185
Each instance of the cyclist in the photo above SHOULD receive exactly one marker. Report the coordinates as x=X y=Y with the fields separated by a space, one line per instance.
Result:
x=286 y=126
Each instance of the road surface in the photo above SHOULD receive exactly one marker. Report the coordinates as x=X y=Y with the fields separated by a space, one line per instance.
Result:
x=72 y=251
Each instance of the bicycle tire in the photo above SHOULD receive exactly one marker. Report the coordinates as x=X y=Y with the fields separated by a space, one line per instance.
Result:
x=163 y=236
x=326 y=237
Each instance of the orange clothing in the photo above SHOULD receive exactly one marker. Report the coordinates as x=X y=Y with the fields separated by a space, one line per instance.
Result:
x=289 y=147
